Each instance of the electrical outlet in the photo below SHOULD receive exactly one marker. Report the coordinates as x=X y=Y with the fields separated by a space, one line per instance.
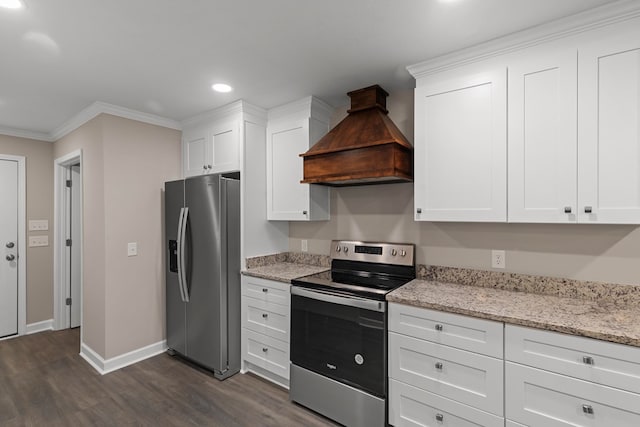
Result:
x=498 y=259
x=304 y=246
x=132 y=249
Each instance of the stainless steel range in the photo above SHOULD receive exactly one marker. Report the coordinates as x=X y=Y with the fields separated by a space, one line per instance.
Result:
x=339 y=331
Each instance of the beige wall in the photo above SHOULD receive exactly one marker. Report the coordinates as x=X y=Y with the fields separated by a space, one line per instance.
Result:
x=608 y=253
x=39 y=164
x=89 y=139
x=138 y=159
x=125 y=165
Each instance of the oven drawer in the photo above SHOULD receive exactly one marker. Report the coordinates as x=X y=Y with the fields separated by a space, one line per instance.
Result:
x=602 y=362
x=539 y=398
x=470 y=378
x=412 y=407
x=266 y=290
x=266 y=318
x=267 y=353
x=468 y=333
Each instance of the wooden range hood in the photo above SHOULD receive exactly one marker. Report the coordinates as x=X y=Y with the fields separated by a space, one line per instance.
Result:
x=364 y=148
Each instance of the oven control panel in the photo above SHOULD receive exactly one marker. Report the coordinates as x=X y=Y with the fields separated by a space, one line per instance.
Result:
x=383 y=253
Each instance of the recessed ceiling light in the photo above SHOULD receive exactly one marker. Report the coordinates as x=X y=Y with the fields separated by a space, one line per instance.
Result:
x=221 y=87
x=11 y=4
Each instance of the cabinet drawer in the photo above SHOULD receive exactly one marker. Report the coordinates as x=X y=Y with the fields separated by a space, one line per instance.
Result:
x=267 y=353
x=468 y=333
x=267 y=318
x=473 y=379
x=615 y=365
x=412 y=407
x=540 y=398
x=266 y=290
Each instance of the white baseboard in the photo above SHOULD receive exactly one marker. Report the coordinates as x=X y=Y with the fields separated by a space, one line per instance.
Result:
x=113 y=364
x=34 y=328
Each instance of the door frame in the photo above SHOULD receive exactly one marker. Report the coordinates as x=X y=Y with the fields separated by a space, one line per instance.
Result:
x=22 y=241
x=60 y=320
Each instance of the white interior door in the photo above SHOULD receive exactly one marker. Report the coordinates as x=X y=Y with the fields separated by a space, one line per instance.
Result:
x=9 y=242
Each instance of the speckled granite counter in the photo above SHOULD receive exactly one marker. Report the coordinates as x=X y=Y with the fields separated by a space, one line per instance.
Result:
x=603 y=318
x=286 y=266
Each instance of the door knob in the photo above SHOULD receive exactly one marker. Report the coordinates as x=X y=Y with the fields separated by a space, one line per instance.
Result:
x=11 y=257
x=10 y=245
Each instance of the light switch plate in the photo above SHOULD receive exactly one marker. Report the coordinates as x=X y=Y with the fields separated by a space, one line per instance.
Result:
x=38 y=241
x=38 y=224
x=132 y=249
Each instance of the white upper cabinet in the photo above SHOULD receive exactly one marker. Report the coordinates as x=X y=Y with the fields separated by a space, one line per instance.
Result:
x=461 y=148
x=542 y=136
x=291 y=130
x=609 y=129
x=211 y=147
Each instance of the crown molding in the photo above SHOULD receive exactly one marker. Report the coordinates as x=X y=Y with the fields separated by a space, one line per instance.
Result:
x=20 y=133
x=89 y=113
x=98 y=108
x=585 y=21
x=237 y=107
x=309 y=106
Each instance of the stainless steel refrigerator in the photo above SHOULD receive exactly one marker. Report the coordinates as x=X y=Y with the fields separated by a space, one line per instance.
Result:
x=202 y=232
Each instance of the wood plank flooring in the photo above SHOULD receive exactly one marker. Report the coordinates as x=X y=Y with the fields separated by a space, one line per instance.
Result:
x=44 y=382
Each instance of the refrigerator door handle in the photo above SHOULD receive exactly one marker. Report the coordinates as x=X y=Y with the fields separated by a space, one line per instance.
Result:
x=180 y=249
x=183 y=274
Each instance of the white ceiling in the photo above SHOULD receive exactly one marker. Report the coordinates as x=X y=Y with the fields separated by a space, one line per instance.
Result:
x=161 y=56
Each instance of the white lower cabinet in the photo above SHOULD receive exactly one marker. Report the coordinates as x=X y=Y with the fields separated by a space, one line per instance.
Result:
x=539 y=398
x=412 y=406
x=265 y=328
x=555 y=379
x=436 y=384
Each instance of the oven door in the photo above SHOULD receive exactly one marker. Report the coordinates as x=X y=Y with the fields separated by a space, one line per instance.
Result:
x=340 y=337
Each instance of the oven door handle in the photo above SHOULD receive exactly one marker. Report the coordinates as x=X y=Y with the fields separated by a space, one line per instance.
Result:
x=363 y=303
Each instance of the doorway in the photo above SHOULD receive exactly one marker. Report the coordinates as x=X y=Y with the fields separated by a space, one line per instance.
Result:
x=68 y=241
x=12 y=252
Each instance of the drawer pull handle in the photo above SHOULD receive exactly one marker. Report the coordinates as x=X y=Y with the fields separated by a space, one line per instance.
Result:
x=265 y=290
x=439 y=366
x=567 y=209
x=265 y=315
x=587 y=409
x=439 y=327
x=587 y=360
x=264 y=349
x=439 y=417
x=588 y=209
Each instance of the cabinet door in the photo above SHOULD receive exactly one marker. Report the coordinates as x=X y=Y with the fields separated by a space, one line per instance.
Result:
x=287 y=198
x=224 y=147
x=543 y=137
x=194 y=151
x=609 y=130
x=461 y=149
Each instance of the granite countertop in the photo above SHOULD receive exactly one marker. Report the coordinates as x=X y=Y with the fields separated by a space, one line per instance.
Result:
x=286 y=266
x=283 y=271
x=600 y=318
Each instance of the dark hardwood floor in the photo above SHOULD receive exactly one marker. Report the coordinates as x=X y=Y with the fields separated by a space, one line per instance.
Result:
x=44 y=382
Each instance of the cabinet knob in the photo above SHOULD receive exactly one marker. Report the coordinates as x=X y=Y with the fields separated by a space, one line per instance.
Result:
x=567 y=209
x=439 y=366
x=10 y=245
x=419 y=210
x=265 y=315
x=587 y=360
x=264 y=349
x=588 y=209
x=587 y=409
x=438 y=327
x=439 y=417
x=265 y=290
x=208 y=166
